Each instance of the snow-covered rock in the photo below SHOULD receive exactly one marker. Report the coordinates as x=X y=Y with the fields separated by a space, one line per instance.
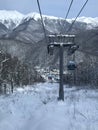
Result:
x=91 y=22
x=36 y=16
x=10 y=18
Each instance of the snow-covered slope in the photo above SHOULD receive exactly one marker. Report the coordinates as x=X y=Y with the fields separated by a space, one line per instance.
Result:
x=91 y=22
x=88 y=20
x=10 y=18
x=37 y=108
x=36 y=16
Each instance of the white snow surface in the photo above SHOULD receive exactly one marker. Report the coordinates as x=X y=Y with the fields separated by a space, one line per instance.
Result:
x=7 y=17
x=88 y=19
x=36 y=108
x=36 y=16
x=91 y=22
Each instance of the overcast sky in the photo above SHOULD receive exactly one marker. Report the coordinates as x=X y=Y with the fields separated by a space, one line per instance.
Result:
x=52 y=7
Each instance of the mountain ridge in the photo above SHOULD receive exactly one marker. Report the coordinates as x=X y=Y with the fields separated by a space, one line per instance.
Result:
x=16 y=40
x=6 y=17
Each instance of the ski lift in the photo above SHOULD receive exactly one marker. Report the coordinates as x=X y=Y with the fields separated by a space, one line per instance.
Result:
x=71 y=52
x=72 y=49
x=50 y=49
x=71 y=65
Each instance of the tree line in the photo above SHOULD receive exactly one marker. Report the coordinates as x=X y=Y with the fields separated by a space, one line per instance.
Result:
x=14 y=72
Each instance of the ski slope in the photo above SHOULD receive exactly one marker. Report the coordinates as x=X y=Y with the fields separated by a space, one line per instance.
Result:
x=36 y=108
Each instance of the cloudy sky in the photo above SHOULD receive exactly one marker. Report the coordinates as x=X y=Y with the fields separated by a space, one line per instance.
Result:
x=52 y=7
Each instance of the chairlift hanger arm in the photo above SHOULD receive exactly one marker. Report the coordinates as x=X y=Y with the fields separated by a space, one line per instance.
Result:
x=60 y=38
x=70 y=44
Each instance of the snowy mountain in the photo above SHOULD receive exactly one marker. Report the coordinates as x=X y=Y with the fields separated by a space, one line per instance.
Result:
x=22 y=35
x=87 y=20
x=91 y=22
x=10 y=19
x=36 y=16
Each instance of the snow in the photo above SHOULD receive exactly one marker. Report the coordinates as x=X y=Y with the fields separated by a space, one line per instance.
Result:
x=36 y=107
x=88 y=20
x=7 y=17
x=36 y=16
x=13 y=16
x=91 y=22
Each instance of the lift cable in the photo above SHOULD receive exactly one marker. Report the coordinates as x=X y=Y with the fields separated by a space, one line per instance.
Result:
x=70 y=5
x=42 y=21
x=65 y=17
x=69 y=9
x=77 y=16
x=73 y=79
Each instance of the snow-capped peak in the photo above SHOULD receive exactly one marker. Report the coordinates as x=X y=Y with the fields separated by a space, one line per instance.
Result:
x=36 y=16
x=12 y=19
x=9 y=17
x=91 y=22
x=87 y=20
x=10 y=14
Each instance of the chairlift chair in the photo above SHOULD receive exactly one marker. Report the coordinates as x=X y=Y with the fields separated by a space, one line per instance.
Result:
x=72 y=49
x=50 y=49
x=71 y=65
